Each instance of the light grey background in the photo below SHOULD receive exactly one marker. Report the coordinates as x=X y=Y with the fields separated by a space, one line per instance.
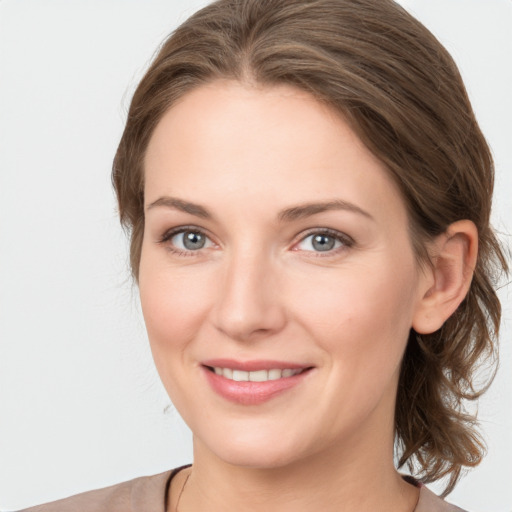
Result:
x=81 y=406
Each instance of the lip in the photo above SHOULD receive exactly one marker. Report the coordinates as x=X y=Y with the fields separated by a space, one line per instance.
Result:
x=248 y=392
x=255 y=365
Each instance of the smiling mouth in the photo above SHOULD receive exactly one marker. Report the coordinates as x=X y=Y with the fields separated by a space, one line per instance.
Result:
x=253 y=382
x=257 y=375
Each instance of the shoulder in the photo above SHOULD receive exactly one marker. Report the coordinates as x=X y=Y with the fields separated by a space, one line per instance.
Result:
x=430 y=502
x=137 y=495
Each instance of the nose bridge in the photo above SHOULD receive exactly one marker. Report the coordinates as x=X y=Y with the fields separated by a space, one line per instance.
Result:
x=249 y=303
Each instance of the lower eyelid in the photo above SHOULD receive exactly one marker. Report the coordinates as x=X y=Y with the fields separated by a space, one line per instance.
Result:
x=166 y=238
x=344 y=240
x=168 y=235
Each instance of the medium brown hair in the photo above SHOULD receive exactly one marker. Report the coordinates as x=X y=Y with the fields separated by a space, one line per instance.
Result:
x=401 y=92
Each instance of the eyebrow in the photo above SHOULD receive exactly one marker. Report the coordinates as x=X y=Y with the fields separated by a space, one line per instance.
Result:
x=288 y=215
x=180 y=204
x=306 y=210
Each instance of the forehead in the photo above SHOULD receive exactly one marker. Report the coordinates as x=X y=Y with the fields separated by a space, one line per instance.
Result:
x=245 y=144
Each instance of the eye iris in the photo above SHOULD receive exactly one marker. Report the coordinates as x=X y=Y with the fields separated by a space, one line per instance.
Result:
x=323 y=242
x=193 y=240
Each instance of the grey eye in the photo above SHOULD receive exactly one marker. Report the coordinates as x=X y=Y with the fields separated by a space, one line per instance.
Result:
x=323 y=242
x=320 y=242
x=189 y=240
x=193 y=240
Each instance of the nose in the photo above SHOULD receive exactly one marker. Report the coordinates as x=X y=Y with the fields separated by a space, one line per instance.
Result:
x=249 y=304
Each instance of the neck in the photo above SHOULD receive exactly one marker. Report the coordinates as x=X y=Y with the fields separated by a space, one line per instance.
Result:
x=329 y=481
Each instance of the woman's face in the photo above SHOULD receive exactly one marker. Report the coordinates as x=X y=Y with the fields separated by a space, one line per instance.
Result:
x=277 y=279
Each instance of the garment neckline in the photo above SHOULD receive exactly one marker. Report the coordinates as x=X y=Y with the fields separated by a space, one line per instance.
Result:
x=408 y=478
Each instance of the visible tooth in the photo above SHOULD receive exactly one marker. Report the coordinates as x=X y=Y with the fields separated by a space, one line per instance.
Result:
x=255 y=376
x=274 y=374
x=240 y=375
x=258 y=376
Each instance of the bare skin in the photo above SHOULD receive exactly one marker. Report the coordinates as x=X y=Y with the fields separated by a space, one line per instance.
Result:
x=302 y=254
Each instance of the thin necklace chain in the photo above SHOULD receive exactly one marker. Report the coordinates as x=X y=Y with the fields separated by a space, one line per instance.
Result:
x=181 y=492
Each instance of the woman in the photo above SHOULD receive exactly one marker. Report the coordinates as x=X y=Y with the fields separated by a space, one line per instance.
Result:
x=308 y=195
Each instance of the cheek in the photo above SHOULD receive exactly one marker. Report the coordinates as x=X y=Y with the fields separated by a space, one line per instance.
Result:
x=174 y=304
x=361 y=322
x=361 y=316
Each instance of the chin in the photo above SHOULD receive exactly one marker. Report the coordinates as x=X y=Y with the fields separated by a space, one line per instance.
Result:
x=254 y=448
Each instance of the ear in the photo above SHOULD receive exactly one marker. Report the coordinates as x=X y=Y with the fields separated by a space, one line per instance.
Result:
x=447 y=281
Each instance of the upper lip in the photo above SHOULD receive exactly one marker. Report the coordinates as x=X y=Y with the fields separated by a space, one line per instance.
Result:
x=254 y=365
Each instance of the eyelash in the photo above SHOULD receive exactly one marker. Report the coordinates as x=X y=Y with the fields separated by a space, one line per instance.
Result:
x=168 y=235
x=346 y=241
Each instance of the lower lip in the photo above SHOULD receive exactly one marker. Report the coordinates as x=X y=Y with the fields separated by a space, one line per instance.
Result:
x=251 y=393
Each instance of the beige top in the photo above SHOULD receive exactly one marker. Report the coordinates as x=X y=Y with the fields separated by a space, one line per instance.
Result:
x=149 y=494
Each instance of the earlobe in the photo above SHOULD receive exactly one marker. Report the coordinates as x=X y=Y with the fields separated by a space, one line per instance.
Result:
x=446 y=282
